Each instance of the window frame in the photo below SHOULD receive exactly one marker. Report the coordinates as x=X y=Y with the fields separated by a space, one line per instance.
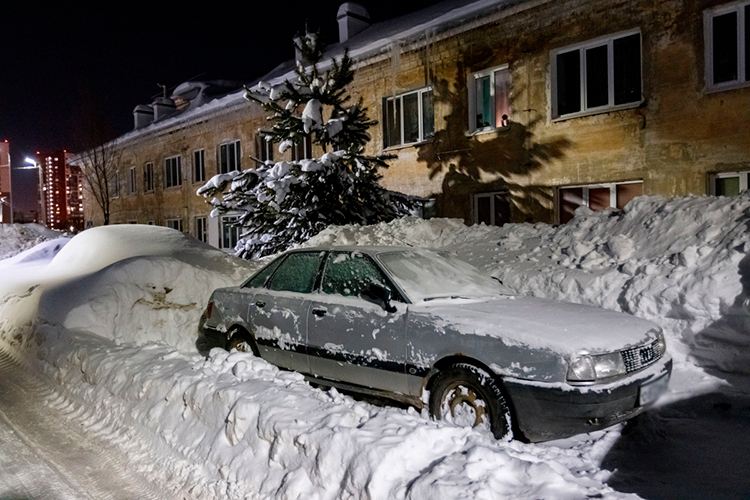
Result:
x=585 y=196
x=169 y=177
x=492 y=195
x=581 y=47
x=420 y=112
x=132 y=186
x=148 y=177
x=201 y=233
x=116 y=184
x=199 y=165
x=263 y=148
x=237 y=149
x=471 y=86
x=303 y=149
x=224 y=221
x=743 y=76
x=742 y=175
x=175 y=221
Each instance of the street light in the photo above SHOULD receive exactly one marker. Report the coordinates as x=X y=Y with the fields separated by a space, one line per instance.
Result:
x=38 y=166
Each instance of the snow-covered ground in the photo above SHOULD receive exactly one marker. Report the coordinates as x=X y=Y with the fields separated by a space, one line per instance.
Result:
x=109 y=319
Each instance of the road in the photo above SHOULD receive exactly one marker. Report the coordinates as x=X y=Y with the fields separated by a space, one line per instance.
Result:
x=46 y=455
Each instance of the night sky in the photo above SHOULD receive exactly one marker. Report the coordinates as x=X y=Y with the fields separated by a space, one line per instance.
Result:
x=55 y=57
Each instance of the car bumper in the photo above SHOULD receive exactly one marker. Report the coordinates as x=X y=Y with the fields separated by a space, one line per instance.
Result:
x=554 y=411
x=213 y=337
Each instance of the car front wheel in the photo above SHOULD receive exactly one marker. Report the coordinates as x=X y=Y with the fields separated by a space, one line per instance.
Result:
x=468 y=396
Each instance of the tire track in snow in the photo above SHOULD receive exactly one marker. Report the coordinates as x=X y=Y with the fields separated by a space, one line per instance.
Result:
x=83 y=463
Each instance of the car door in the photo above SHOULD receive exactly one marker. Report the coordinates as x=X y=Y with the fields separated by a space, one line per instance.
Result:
x=278 y=312
x=351 y=339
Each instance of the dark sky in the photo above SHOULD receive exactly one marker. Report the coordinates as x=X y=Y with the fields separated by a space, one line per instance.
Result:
x=54 y=54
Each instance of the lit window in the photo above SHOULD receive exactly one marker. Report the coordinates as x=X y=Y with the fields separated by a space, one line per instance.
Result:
x=489 y=103
x=229 y=157
x=598 y=75
x=172 y=172
x=727 y=45
x=408 y=118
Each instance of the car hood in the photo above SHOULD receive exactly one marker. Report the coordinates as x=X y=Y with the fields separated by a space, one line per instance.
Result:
x=540 y=323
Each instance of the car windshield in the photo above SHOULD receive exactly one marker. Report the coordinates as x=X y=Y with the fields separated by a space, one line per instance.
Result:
x=426 y=275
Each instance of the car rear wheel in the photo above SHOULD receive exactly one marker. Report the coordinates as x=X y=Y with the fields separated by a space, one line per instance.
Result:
x=468 y=396
x=241 y=341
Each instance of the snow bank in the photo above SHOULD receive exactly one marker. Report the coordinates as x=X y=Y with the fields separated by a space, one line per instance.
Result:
x=15 y=238
x=681 y=263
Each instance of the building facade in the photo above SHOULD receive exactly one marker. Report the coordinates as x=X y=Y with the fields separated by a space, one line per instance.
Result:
x=6 y=191
x=62 y=191
x=506 y=111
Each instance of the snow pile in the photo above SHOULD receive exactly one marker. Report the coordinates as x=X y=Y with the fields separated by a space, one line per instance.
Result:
x=681 y=263
x=234 y=426
x=15 y=238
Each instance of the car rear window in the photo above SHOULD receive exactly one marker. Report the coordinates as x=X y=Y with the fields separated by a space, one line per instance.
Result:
x=297 y=273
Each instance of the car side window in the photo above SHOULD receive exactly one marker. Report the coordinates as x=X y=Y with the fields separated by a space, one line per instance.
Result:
x=261 y=276
x=350 y=274
x=297 y=273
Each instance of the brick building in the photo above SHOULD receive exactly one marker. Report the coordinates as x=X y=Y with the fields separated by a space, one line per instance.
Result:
x=6 y=201
x=497 y=110
x=62 y=191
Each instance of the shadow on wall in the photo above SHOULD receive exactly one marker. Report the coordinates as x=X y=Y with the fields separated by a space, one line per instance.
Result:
x=695 y=448
x=485 y=162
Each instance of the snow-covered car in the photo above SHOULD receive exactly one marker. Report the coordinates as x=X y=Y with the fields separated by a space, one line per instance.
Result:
x=425 y=328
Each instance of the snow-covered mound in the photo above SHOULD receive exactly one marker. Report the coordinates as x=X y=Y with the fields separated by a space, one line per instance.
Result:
x=15 y=238
x=140 y=284
x=682 y=263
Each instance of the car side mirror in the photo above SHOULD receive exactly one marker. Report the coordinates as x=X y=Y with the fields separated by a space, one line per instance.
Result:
x=379 y=294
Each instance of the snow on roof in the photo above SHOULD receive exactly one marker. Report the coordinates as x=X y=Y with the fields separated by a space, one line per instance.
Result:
x=372 y=41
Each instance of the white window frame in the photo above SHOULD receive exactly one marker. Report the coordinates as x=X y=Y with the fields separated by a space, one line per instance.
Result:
x=744 y=177
x=708 y=43
x=199 y=166
x=581 y=48
x=148 y=177
x=228 y=219
x=132 y=186
x=237 y=146
x=170 y=179
x=175 y=223
x=585 y=193
x=421 y=138
x=471 y=85
x=201 y=233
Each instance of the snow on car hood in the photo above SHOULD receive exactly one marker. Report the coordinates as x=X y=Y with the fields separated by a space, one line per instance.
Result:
x=540 y=323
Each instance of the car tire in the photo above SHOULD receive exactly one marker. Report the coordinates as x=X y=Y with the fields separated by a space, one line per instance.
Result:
x=467 y=395
x=241 y=341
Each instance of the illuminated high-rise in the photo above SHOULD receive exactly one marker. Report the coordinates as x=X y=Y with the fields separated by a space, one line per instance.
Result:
x=62 y=191
x=6 y=208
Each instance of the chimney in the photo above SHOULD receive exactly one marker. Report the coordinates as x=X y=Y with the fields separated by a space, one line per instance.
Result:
x=143 y=115
x=163 y=107
x=353 y=19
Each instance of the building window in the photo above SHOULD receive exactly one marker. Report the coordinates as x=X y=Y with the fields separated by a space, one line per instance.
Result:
x=599 y=75
x=131 y=181
x=408 y=118
x=727 y=45
x=116 y=185
x=596 y=197
x=229 y=157
x=201 y=229
x=492 y=209
x=729 y=183
x=175 y=224
x=148 y=177
x=230 y=233
x=199 y=166
x=172 y=172
x=303 y=149
x=489 y=102
x=263 y=148
x=150 y=223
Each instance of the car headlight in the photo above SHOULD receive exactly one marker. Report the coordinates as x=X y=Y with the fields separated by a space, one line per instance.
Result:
x=589 y=368
x=661 y=343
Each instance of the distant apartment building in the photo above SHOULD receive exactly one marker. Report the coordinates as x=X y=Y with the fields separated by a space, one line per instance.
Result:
x=62 y=191
x=497 y=111
x=6 y=200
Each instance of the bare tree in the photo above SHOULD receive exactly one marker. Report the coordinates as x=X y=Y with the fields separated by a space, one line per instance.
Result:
x=99 y=155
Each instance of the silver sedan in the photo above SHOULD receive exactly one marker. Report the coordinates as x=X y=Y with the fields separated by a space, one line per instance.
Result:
x=425 y=328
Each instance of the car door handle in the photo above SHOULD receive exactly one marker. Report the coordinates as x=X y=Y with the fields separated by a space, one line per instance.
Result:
x=260 y=303
x=319 y=311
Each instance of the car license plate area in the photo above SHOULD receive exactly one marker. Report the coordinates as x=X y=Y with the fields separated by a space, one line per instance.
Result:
x=651 y=391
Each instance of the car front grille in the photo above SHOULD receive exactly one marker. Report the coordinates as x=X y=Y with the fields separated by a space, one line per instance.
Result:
x=642 y=356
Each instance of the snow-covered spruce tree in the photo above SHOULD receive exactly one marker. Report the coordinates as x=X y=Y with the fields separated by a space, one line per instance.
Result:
x=285 y=203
